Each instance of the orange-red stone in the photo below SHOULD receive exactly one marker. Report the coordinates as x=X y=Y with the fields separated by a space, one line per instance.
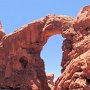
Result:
x=21 y=67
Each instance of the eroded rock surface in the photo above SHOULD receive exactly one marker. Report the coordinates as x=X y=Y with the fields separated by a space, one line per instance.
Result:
x=76 y=75
x=21 y=67
x=50 y=80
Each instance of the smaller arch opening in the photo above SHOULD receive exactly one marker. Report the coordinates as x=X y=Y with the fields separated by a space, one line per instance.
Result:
x=23 y=60
x=87 y=80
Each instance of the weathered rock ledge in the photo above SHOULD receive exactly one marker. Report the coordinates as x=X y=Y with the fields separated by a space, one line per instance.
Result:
x=21 y=67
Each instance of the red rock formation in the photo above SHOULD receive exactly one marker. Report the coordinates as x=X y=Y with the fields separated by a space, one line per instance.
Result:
x=21 y=67
x=1 y=31
x=50 y=80
x=76 y=75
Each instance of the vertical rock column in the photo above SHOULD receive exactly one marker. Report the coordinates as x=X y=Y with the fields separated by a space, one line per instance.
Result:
x=1 y=31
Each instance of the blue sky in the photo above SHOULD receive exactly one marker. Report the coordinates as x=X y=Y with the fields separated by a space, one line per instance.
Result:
x=16 y=13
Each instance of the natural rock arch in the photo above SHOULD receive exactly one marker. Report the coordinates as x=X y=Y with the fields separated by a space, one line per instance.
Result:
x=29 y=40
x=60 y=25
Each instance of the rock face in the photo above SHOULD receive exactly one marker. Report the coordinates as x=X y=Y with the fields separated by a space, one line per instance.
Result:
x=76 y=73
x=21 y=67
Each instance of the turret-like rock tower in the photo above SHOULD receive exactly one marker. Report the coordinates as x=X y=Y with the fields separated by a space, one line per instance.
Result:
x=21 y=67
x=1 y=31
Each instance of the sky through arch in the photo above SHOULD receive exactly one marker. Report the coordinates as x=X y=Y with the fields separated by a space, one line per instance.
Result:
x=52 y=55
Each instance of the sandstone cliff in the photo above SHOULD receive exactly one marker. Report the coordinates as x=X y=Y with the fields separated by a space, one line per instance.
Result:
x=21 y=67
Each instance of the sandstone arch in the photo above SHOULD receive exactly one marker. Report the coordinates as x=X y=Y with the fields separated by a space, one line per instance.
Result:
x=29 y=40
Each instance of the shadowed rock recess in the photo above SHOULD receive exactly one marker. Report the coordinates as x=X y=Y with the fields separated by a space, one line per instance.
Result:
x=21 y=67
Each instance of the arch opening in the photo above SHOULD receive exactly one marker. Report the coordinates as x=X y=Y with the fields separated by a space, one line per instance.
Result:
x=52 y=55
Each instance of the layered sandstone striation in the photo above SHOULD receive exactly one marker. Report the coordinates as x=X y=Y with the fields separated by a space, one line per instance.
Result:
x=21 y=67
